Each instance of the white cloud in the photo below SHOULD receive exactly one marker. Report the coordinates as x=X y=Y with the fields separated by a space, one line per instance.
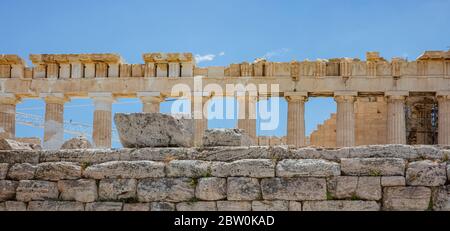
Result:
x=274 y=53
x=207 y=57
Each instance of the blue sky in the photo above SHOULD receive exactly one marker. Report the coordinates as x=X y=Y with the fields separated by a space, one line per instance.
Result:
x=222 y=32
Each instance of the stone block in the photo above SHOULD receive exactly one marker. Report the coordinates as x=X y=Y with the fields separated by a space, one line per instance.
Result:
x=441 y=198
x=22 y=171
x=117 y=189
x=162 y=206
x=406 y=198
x=295 y=206
x=234 y=206
x=19 y=156
x=55 y=206
x=161 y=154
x=77 y=143
x=29 y=190
x=197 y=206
x=152 y=130
x=15 y=206
x=9 y=144
x=104 y=206
x=166 y=189
x=294 y=188
x=342 y=187
x=7 y=189
x=341 y=205
x=55 y=171
x=258 y=168
x=373 y=166
x=307 y=168
x=188 y=168
x=388 y=181
x=270 y=205
x=3 y=170
x=211 y=188
x=125 y=169
x=136 y=207
x=226 y=137
x=83 y=190
x=384 y=151
x=243 y=188
x=234 y=153
x=369 y=188
x=426 y=173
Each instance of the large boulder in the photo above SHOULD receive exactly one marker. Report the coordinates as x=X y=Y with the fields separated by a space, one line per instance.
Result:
x=77 y=143
x=138 y=130
x=226 y=137
x=9 y=144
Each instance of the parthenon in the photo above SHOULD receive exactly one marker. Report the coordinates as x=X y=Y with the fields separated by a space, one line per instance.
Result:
x=371 y=95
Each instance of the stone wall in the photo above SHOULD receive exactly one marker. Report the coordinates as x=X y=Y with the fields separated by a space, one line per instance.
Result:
x=380 y=177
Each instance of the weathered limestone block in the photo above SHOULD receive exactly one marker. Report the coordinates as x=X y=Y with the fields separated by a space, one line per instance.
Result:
x=295 y=206
x=104 y=206
x=234 y=153
x=369 y=188
x=428 y=152
x=162 y=206
x=90 y=156
x=387 y=181
x=166 y=189
x=188 y=168
x=258 y=168
x=197 y=206
x=136 y=207
x=226 y=137
x=384 y=151
x=161 y=154
x=19 y=156
x=3 y=170
x=294 y=188
x=270 y=205
x=211 y=188
x=373 y=166
x=342 y=187
x=15 y=206
x=441 y=198
x=9 y=144
x=426 y=173
x=7 y=189
x=234 y=206
x=406 y=198
x=341 y=205
x=448 y=172
x=23 y=171
x=307 y=167
x=29 y=190
x=327 y=154
x=152 y=130
x=125 y=169
x=77 y=143
x=243 y=188
x=55 y=206
x=83 y=190
x=58 y=171
x=117 y=189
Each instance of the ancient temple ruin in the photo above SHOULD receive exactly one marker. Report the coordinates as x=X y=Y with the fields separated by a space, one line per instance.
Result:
x=378 y=101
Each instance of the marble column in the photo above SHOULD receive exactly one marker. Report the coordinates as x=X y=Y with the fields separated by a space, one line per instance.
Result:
x=8 y=115
x=150 y=101
x=296 y=118
x=54 y=120
x=396 y=126
x=444 y=119
x=102 y=125
x=247 y=115
x=199 y=118
x=345 y=120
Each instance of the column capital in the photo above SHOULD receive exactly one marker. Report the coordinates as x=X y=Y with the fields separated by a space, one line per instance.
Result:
x=102 y=96
x=345 y=98
x=59 y=98
x=443 y=95
x=151 y=97
x=9 y=98
x=296 y=96
x=396 y=95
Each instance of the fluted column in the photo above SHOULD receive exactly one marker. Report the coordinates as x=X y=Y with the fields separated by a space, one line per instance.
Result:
x=345 y=120
x=8 y=115
x=150 y=101
x=102 y=125
x=444 y=119
x=396 y=126
x=199 y=119
x=247 y=114
x=54 y=119
x=296 y=118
